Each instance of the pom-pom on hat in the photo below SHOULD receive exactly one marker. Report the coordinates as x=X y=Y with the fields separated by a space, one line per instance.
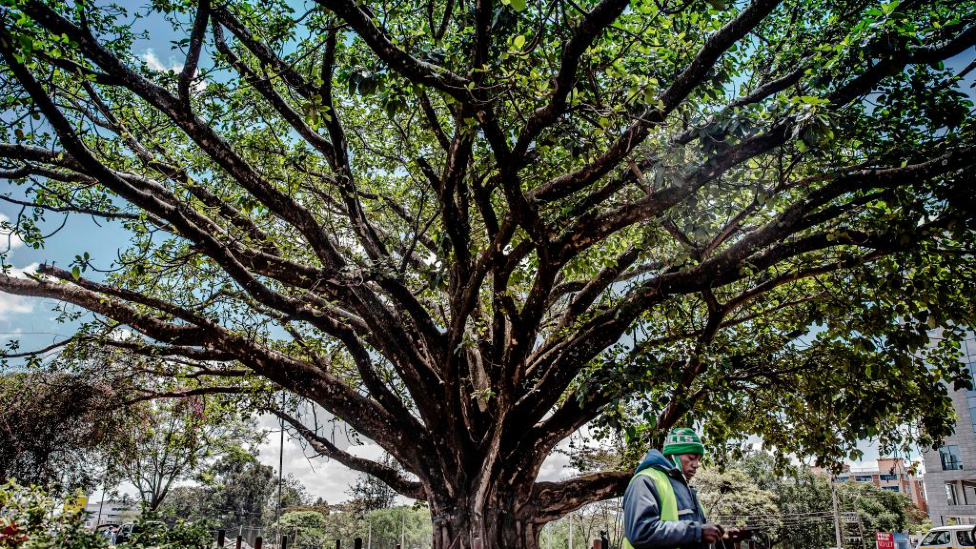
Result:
x=683 y=441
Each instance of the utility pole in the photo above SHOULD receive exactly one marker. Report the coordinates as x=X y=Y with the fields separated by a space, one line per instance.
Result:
x=100 y=504
x=833 y=493
x=281 y=468
x=403 y=520
x=570 y=531
x=369 y=536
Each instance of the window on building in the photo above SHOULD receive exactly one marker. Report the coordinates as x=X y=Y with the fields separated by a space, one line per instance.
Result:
x=951 y=494
x=889 y=477
x=862 y=478
x=968 y=494
x=891 y=488
x=951 y=458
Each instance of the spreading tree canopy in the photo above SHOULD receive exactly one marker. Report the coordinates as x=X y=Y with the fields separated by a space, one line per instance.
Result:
x=466 y=228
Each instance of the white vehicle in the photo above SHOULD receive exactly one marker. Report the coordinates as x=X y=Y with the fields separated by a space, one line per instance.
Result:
x=956 y=537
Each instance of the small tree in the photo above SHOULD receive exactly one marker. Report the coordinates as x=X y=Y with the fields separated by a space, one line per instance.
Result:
x=307 y=528
x=733 y=496
x=372 y=494
x=796 y=505
x=391 y=525
x=879 y=510
x=174 y=439
x=57 y=429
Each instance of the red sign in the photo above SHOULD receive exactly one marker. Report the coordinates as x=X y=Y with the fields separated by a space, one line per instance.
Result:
x=886 y=540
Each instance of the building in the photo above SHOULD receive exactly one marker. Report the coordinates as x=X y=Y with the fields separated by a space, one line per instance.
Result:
x=110 y=512
x=893 y=474
x=950 y=471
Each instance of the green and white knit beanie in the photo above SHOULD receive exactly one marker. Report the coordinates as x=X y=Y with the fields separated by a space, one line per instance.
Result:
x=683 y=441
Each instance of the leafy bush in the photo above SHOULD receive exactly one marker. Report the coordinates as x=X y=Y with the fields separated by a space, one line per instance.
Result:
x=28 y=521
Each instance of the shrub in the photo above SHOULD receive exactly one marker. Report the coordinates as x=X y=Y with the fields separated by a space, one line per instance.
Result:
x=28 y=521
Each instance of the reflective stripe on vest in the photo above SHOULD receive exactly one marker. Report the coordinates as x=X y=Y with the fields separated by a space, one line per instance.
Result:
x=667 y=503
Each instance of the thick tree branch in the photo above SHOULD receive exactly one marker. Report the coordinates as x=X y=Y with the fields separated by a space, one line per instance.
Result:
x=552 y=500
x=218 y=149
x=304 y=379
x=193 y=56
x=380 y=42
x=595 y=23
x=325 y=447
x=679 y=89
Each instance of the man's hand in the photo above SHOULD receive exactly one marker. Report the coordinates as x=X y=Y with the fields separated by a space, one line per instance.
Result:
x=711 y=532
x=736 y=534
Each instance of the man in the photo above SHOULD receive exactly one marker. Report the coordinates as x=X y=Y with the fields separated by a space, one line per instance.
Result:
x=660 y=510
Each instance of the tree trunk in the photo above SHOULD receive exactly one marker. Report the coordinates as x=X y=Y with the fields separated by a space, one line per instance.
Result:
x=502 y=526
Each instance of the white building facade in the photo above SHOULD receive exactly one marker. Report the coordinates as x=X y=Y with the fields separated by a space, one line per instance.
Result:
x=950 y=470
x=110 y=512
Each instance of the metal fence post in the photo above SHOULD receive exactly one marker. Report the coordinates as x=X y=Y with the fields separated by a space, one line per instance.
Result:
x=220 y=538
x=257 y=542
x=357 y=543
x=284 y=542
x=240 y=541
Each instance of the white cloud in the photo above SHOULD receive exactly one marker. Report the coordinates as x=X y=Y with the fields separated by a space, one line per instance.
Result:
x=8 y=239
x=122 y=334
x=14 y=304
x=156 y=64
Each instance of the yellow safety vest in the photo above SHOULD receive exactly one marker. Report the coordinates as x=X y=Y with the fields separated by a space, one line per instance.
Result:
x=667 y=502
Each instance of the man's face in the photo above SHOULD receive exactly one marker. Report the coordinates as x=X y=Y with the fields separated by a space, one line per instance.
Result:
x=689 y=464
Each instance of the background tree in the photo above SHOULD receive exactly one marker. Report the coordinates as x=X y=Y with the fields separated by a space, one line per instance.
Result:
x=734 y=495
x=467 y=229
x=236 y=492
x=794 y=504
x=308 y=528
x=370 y=493
x=293 y=494
x=879 y=510
x=587 y=523
x=392 y=525
x=57 y=429
x=174 y=439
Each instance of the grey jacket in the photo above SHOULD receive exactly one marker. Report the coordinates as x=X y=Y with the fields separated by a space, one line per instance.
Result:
x=643 y=526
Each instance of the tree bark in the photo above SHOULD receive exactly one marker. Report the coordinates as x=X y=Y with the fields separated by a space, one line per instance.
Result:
x=504 y=524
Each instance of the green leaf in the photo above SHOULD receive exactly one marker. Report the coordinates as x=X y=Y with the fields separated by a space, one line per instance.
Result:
x=518 y=5
x=519 y=41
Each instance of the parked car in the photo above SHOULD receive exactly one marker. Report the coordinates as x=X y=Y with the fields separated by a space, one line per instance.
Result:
x=105 y=529
x=127 y=530
x=962 y=536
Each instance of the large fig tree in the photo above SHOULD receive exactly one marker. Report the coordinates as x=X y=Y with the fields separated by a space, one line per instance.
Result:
x=467 y=228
